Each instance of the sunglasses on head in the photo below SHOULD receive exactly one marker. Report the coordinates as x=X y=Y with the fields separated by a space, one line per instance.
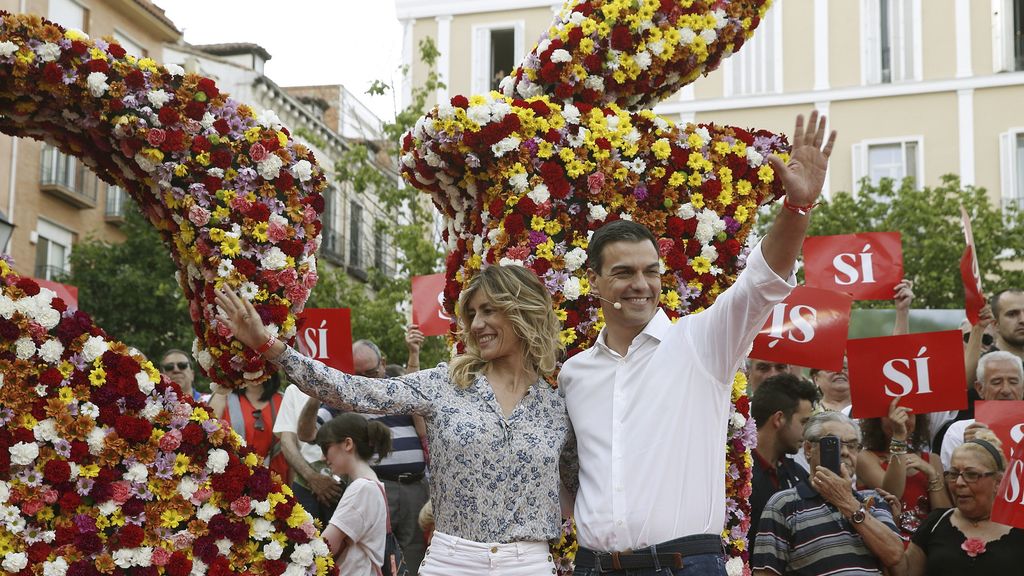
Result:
x=986 y=339
x=181 y=366
x=257 y=417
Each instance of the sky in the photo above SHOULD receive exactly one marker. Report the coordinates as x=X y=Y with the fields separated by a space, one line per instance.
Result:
x=310 y=41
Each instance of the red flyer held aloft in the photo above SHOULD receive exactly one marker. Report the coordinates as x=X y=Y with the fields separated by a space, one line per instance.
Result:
x=926 y=370
x=808 y=328
x=867 y=265
x=325 y=334
x=970 y=273
x=1008 y=508
x=428 y=305
x=1005 y=418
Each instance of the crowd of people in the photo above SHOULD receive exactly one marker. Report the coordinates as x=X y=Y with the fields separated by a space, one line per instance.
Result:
x=470 y=466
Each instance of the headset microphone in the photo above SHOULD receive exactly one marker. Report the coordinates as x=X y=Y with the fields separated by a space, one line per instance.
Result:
x=616 y=305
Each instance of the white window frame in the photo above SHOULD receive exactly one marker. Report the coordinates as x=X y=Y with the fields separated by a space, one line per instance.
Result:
x=860 y=158
x=56 y=234
x=52 y=4
x=1002 y=36
x=131 y=45
x=757 y=67
x=481 y=51
x=904 y=52
x=1009 y=171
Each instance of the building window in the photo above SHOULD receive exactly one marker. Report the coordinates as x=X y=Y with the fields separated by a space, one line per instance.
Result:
x=894 y=159
x=68 y=178
x=497 y=49
x=53 y=250
x=891 y=41
x=1007 y=35
x=116 y=202
x=1011 y=153
x=130 y=46
x=380 y=248
x=355 y=246
x=757 y=67
x=332 y=244
x=69 y=14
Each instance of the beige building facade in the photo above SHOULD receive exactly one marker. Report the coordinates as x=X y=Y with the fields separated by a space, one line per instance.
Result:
x=916 y=88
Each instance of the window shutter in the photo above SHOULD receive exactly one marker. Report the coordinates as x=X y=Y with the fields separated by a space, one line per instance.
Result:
x=871 y=25
x=1002 y=35
x=1007 y=170
x=860 y=168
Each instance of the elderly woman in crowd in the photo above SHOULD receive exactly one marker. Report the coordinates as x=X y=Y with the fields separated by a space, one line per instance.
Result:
x=964 y=540
x=495 y=425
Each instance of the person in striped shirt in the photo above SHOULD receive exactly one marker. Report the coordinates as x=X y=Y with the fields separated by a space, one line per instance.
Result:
x=823 y=526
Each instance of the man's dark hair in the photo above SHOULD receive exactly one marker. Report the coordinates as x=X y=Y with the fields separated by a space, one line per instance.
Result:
x=782 y=392
x=615 y=231
x=994 y=300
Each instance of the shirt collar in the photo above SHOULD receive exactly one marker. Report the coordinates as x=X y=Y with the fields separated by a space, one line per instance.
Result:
x=656 y=328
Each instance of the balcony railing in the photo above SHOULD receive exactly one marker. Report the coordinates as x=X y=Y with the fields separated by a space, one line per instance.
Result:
x=50 y=272
x=67 y=178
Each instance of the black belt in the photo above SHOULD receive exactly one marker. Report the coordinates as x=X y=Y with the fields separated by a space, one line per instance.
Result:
x=665 y=555
x=406 y=478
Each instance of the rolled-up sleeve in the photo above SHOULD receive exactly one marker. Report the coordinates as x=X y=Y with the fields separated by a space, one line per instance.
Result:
x=411 y=394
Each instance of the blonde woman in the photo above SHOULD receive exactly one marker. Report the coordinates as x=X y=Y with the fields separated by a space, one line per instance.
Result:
x=496 y=427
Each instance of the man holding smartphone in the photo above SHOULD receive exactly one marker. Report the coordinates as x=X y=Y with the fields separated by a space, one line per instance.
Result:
x=823 y=526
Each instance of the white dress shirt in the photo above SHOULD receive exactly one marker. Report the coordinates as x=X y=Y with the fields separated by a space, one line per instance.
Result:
x=651 y=425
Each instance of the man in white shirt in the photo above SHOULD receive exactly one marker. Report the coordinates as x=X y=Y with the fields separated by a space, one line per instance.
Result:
x=1000 y=377
x=649 y=401
x=314 y=487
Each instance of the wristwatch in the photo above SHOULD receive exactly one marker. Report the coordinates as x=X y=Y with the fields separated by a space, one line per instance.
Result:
x=859 y=515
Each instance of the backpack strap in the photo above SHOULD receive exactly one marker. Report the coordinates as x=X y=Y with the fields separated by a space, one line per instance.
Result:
x=387 y=508
x=235 y=412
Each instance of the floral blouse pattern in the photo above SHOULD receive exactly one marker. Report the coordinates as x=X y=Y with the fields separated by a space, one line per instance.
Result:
x=493 y=479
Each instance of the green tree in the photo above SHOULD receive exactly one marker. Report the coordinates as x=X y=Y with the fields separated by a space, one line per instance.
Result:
x=928 y=220
x=369 y=168
x=129 y=288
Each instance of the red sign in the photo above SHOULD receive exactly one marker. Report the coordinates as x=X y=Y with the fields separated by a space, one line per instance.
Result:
x=926 y=370
x=970 y=273
x=428 y=305
x=66 y=292
x=1008 y=508
x=325 y=334
x=808 y=328
x=867 y=265
x=1005 y=418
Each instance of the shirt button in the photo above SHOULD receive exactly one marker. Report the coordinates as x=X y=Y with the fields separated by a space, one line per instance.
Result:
x=494 y=549
x=618 y=522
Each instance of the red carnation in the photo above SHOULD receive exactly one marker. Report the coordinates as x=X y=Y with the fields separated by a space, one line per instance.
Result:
x=135 y=79
x=133 y=429
x=38 y=552
x=69 y=501
x=168 y=115
x=675 y=259
x=131 y=536
x=56 y=472
x=549 y=72
x=711 y=189
x=497 y=207
x=460 y=102
x=116 y=50
x=52 y=73
x=179 y=565
x=221 y=126
x=622 y=39
x=207 y=86
x=195 y=110
x=200 y=144
x=246 y=267
x=97 y=66
x=79 y=48
x=28 y=286
x=222 y=157
x=514 y=225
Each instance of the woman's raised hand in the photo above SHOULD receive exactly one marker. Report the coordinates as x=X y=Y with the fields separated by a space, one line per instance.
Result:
x=242 y=319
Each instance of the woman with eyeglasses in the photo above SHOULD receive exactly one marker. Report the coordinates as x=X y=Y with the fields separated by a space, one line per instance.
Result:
x=251 y=412
x=895 y=459
x=496 y=426
x=963 y=539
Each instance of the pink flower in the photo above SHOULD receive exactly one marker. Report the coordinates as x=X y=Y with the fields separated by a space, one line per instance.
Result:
x=296 y=293
x=595 y=182
x=198 y=215
x=277 y=232
x=170 y=441
x=665 y=246
x=50 y=495
x=121 y=492
x=155 y=137
x=257 y=152
x=160 y=556
x=30 y=507
x=242 y=506
x=973 y=547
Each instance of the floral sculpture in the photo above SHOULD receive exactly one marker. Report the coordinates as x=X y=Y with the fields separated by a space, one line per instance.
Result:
x=105 y=468
x=523 y=175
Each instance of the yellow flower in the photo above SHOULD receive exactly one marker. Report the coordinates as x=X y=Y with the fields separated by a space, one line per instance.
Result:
x=537 y=223
x=148 y=64
x=766 y=174
x=546 y=250
x=661 y=148
x=97 y=376
x=552 y=228
x=298 y=516
x=545 y=149
x=102 y=522
x=66 y=395
x=251 y=460
x=199 y=414
x=89 y=471
x=45 y=515
x=741 y=214
x=700 y=265
x=671 y=299
x=170 y=518
x=567 y=336
x=181 y=463
x=260 y=232
x=695 y=179
x=230 y=246
x=743 y=187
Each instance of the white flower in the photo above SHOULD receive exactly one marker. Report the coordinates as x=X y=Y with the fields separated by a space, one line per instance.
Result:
x=703 y=132
x=320 y=547
x=656 y=47
x=709 y=35
x=302 y=555
x=687 y=35
x=738 y=420
x=108 y=508
x=5 y=492
x=505 y=145
x=58 y=567
x=89 y=409
x=754 y=158
x=594 y=83
x=48 y=317
x=7 y=48
x=207 y=511
x=302 y=170
x=262 y=529
x=46 y=430
x=270 y=168
x=203 y=357
x=152 y=410
x=571 y=288
x=124 y=558
x=15 y=561
x=686 y=211
x=734 y=567
x=597 y=213
x=174 y=69
x=506 y=261
x=7 y=307
x=248 y=290
x=561 y=55
x=137 y=473
x=217 y=460
x=575 y=258
x=97 y=84
x=158 y=98
x=643 y=60
x=261 y=507
x=51 y=351
x=93 y=348
x=704 y=232
x=571 y=114
x=48 y=52
x=626 y=216
x=272 y=550
x=274 y=259
x=24 y=453
x=540 y=193
x=225 y=267
x=198 y=567
x=223 y=546
x=25 y=348
x=207 y=121
x=146 y=384
x=709 y=252
x=520 y=181
x=96 y=439
x=269 y=119
x=294 y=570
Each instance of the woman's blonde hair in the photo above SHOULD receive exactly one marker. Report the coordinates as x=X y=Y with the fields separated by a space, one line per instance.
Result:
x=987 y=445
x=523 y=299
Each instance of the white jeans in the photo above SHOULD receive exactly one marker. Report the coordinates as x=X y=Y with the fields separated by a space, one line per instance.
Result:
x=454 y=556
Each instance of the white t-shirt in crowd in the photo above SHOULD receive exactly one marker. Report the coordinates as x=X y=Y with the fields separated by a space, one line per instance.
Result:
x=362 y=516
x=288 y=421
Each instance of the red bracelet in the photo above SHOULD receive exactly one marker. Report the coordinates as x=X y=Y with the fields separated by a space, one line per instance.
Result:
x=798 y=209
x=266 y=346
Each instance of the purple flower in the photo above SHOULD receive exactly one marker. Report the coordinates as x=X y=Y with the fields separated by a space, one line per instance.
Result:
x=640 y=192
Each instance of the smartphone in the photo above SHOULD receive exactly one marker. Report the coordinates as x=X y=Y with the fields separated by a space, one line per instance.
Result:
x=830 y=447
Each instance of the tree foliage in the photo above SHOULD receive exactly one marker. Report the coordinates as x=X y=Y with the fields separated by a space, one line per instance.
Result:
x=369 y=169
x=130 y=290
x=928 y=220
